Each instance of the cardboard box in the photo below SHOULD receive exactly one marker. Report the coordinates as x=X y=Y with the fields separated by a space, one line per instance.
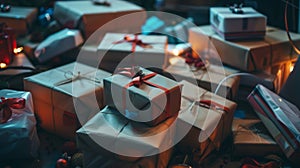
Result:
x=205 y=127
x=63 y=101
x=20 y=19
x=156 y=99
x=89 y=17
x=147 y=51
x=251 y=138
x=208 y=78
x=231 y=25
x=111 y=135
x=252 y=55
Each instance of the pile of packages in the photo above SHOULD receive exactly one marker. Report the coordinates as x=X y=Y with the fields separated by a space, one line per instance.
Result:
x=130 y=101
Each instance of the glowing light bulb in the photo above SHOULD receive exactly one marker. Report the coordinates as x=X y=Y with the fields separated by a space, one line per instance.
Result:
x=18 y=50
x=2 y=65
x=291 y=68
x=176 y=52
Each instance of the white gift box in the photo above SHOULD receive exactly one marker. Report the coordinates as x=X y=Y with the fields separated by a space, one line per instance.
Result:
x=230 y=25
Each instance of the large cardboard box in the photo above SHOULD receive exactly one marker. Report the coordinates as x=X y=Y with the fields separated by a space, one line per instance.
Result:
x=208 y=78
x=20 y=19
x=63 y=99
x=112 y=136
x=247 y=55
x=121 y=50
x=231 y=25
x=152 y=101
x=251 y=138
x=206 y=126
x=89 y=17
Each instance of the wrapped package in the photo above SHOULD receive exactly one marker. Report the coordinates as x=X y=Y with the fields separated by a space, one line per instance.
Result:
x=281 y=118
x=109 y=136
x=58 y=43
x=251 y=138
x=18 y=131
x=88 y=16
x=121 y=50
x=149 y=98
x=66 y=97
x=207 y=116
x=208 y=78
x=20 y=19
x=238 y=22
x=246 y=55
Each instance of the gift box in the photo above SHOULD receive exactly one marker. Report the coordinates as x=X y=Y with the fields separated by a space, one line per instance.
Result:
x=110 y=135
x=238 y=22
x=58 y=43
x=208 y=78
x=205 y=118
x=18 y=130
x=121 y=50
x=66 y=96
x=251 y=138
x=281 y=118
x=152 y=101
x=88 y=16
x=20 y=19
x=252 y=55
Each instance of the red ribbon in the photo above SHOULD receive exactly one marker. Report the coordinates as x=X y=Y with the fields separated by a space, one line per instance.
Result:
x=7 y=104
x=198 y=63
x=251 y=163
x=134 y=42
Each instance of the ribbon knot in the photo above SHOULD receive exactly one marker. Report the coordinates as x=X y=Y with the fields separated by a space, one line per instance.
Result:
x=71 y=77
x=197 y=62
x=7 y=104
x=134 y=41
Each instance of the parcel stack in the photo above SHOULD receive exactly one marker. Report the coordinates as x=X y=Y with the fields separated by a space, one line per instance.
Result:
x=241 y=39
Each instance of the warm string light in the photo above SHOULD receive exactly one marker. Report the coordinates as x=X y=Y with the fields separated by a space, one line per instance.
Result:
x=18 y=50
x=3 y=65
x=291 y=67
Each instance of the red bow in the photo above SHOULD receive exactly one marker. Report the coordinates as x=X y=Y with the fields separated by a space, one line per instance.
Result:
x=251 y=163
x=134 y=42
x=6 y=104
x=198 y=63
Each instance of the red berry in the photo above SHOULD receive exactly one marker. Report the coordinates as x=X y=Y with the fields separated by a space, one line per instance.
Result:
x=61 y=163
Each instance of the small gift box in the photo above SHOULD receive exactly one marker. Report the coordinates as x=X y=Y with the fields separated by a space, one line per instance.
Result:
x=18 y=126
x=238 y=22
x=281 y=118
x=205 y=118
x=19 y=18
x=251 y=138
x=66 y=94
x=252 y=55
x=110 y=135
x=142 y=95
x=88 y=16
x=121 y=50
x=208 y=78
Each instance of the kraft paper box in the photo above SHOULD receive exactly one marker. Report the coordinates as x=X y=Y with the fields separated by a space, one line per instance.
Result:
x=251 y=138
x=19 y=135
x=116 y=50
x=208 y=127
x=20 y=19
x=208 y=79
x=111 y=135
x=152 y=102
x=89 y=17
x=229 y=25
x=252 y=55
x=62 y=98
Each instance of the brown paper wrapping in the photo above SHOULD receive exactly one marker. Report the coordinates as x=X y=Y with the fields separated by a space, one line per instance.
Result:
x=245 y=55
x=211 y=126
x=146 y=103
x=89 y=17
x=122 y=53
x=20 y=19
x=57 y=105
x=135 y=135
x=208 y=79
x=251 y=138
